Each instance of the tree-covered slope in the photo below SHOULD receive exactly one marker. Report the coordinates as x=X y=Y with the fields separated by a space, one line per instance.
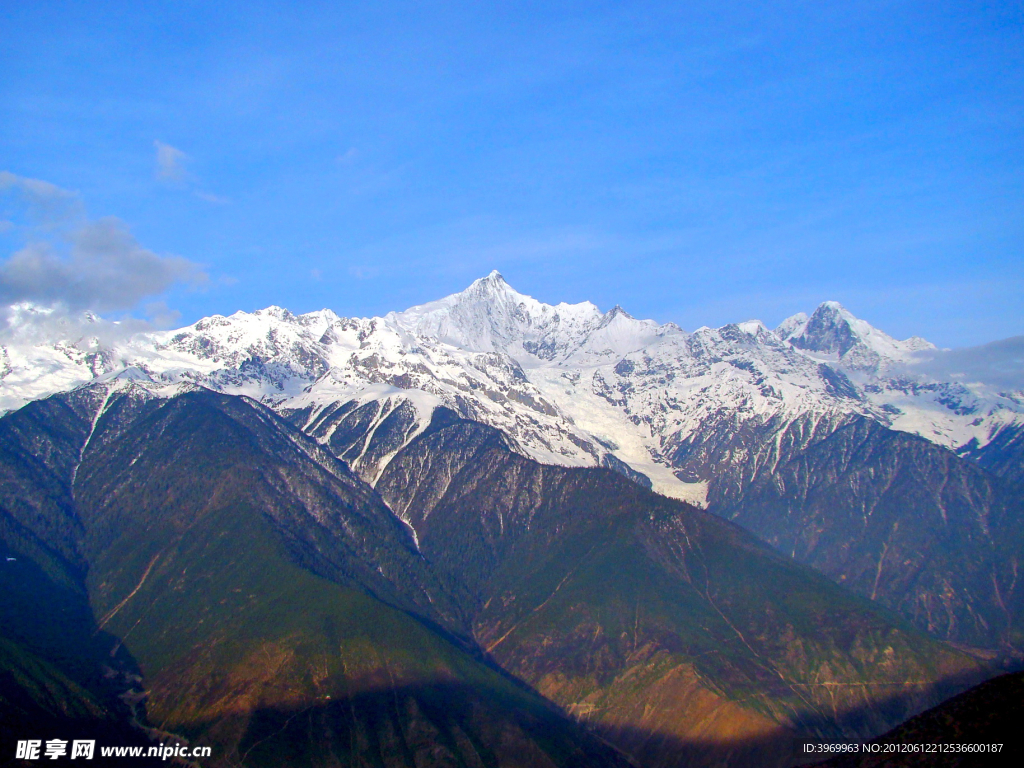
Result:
x=267 y=596
x=901 y=521
x=279 y=609
x=677 y=634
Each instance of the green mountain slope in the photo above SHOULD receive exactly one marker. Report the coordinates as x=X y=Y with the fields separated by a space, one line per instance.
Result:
x=238 y=569
x=277 y=609
x=678 y=635
x=901 y=521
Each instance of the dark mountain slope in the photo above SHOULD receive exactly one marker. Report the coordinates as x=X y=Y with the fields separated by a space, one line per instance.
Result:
x=40 y=447
x=60 y=675
x=360 y=434
x=204 y=445
x=1003 y=455
x=677 y=634
x=902 y=521
x=731 y=450
x=237 y=562
x=835 y=492
x=38 y=701
x=986 y=716
x=281 y=612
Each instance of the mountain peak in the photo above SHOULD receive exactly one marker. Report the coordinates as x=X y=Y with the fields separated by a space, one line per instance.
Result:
x=832 y=306
x=831 y=329
x=490 y=315
x=274 y=311
x=490 y=286
x=792 y=325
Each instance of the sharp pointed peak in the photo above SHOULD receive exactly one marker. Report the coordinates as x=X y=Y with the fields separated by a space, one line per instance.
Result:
x=617 y=311
x=833 y=308
x=491 y=286
x=492 y=278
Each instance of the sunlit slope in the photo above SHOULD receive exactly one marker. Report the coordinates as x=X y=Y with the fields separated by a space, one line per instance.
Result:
x=677 y=634
x=205 y=524
x=201 y=447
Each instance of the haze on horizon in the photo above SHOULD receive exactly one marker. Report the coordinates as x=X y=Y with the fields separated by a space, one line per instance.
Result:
x=699 y=165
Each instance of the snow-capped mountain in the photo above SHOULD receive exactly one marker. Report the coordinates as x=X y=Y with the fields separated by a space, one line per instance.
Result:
x=568 y=384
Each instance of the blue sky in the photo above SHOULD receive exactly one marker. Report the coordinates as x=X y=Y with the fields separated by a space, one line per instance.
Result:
x=694 y=162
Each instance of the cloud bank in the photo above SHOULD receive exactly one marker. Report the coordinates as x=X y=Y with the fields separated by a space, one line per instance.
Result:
x=999 y=364
x=71 y=265
x=106 y=270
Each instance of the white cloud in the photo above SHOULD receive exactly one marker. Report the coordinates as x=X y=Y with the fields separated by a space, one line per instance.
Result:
x=30 y=324
x=161 y=315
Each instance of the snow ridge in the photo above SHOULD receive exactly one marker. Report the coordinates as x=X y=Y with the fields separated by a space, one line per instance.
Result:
x=568 y=383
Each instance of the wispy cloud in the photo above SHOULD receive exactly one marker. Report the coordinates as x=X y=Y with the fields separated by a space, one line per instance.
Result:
x=170 y=163
x=172 y=169
x=363 y=273
x=209 y=197
x=48 y=205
